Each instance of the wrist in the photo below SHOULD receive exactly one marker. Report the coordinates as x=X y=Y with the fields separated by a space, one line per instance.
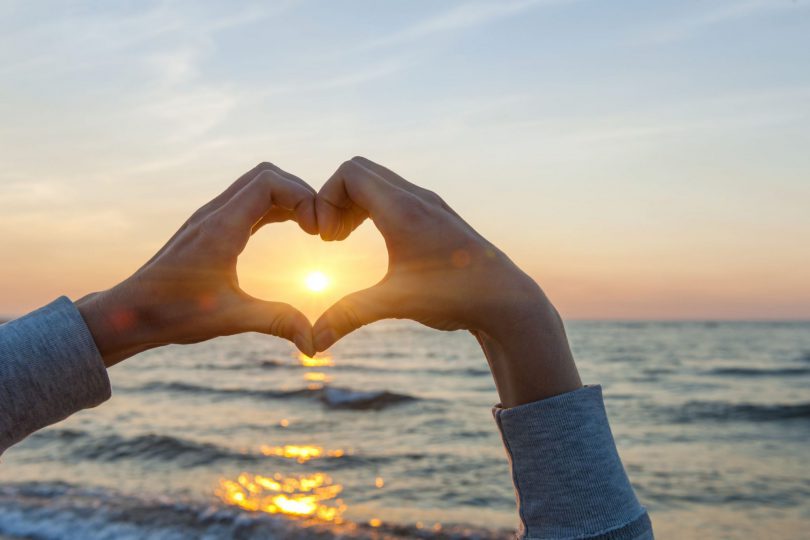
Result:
x=519 y=304
x=527 y=348
x=116 y=324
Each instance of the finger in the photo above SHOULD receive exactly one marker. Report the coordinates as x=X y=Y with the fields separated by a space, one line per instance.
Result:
x=245 y=179
x=293 y=178
x=392 y=177
x=278 y=214
x=237 y=186
x=350 y=313
x=388 y=174
x=277 y=319
x=275 y=215
x=269 y=190
x=212 y=205
x=352 y=193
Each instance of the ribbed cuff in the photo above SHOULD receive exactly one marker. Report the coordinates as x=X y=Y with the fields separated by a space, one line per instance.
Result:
x=569 y=480
x=50 y=368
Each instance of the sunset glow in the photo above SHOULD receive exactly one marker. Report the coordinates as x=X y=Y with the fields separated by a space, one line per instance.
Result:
x=316 y=281
x=320 y=360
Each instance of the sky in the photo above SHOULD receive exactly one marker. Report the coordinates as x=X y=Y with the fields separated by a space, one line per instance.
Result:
x=641 y=160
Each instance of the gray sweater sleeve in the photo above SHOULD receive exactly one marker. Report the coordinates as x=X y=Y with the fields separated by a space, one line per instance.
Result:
x=569 y=480
x=50 y=368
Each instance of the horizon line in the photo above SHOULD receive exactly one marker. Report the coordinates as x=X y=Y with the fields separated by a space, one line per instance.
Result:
x=8 y=318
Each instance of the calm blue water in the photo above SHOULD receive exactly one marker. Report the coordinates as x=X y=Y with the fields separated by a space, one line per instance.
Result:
x=712 y=421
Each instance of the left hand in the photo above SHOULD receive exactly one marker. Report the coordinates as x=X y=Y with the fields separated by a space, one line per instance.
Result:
x=189 y=291
x=444 y=274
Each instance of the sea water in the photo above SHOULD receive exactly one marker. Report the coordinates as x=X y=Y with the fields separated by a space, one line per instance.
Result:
x=390 y=435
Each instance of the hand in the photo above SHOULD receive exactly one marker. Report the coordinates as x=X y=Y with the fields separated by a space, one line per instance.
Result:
x=189 y=292
x=442 y=273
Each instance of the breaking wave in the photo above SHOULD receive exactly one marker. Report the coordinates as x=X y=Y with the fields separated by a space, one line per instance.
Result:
x=331 y=396
x=751 y=412
x=756 y=372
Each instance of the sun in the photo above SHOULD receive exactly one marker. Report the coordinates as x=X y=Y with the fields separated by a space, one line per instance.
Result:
x=316 y=281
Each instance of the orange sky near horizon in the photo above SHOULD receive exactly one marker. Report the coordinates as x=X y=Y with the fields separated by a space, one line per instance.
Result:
x=583 y=283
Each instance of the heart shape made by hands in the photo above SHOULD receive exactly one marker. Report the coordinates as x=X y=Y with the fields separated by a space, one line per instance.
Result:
x=280 y=256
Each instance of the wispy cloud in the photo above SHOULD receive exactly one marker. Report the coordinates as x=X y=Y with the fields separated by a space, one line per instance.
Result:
x=63 y=42
x=464 y=16
x=726 y=13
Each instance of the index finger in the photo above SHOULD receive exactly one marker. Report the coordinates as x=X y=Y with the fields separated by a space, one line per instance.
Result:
x=351 y=194
x=269 y=191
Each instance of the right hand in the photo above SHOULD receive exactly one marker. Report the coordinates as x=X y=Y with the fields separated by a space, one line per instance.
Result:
x=443 y=274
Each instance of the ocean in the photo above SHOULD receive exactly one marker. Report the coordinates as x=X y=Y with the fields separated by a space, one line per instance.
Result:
x=390 y=435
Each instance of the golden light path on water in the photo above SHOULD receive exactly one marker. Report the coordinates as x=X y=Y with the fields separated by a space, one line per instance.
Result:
x=303 y=496
x=321 y=360
x=301 y=454
x=311 y=496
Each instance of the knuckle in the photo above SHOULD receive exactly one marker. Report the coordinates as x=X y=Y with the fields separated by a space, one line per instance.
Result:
x=348 y=165
x=200 y=214
x=264 y=175
x=267 y=178
x=351 y=314
x=432 y=197
x=280 y=322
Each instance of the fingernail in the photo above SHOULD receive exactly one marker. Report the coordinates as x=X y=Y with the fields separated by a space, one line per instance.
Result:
x=303 y=344
x=324 y=339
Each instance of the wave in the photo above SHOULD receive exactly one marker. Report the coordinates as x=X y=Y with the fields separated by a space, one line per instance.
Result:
x=346 y=398
x=756 y=372
x=467 y=371
x=158 y=447
x=78 y=445
x=345 y=366
x=331 y=396
x=114 y=447
x=752 y=412
x=262 y=364
x=64 y=511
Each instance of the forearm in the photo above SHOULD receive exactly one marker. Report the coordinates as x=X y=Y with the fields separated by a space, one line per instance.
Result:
x=569 y=479
x=527 y=349
x=49 y=369
x=116 y=323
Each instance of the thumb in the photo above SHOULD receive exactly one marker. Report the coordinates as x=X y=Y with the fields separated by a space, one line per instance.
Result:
x=350 y=313
x=278 y=319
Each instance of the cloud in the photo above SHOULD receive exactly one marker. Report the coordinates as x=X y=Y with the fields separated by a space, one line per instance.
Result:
x=18 y=195
x=461 y=17
x=29 y=205
x=192 y=113
x=62 y=41
x=726 y=13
